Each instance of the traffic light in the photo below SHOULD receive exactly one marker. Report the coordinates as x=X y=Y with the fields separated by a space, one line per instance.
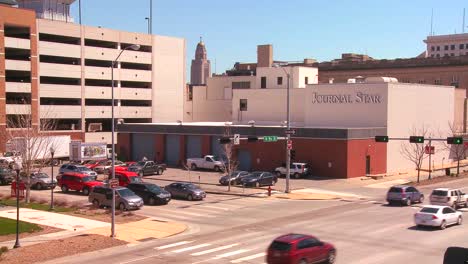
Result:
x=224 y=140
x=293 y=154
x=416 y=139
x=252 y=139
x=455 y=140
x=381 y=139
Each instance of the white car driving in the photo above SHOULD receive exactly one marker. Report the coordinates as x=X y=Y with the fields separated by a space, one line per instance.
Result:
x=436 y=215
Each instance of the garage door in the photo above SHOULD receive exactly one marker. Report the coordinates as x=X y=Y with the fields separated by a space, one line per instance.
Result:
x=216 y=148
x=244 y=158
x=143 y=145
x=172 y=150
x=194 y=147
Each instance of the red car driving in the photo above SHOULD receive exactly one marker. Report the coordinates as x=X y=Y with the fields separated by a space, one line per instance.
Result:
x=300 y=249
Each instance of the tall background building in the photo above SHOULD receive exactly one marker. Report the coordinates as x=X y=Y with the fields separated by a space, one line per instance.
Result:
x=200 y=69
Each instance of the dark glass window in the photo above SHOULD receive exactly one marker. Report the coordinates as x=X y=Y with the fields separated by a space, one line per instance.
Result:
x=263 y=82
x=280 y=80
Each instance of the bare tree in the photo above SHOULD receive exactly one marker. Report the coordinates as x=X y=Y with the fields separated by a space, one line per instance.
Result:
x=231 y=163
x=456 y=152
x=415 y=152
x=31 y=142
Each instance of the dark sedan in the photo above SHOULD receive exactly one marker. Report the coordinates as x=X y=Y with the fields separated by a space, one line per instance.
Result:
x=6 y=176
x=185 y=190
x=259 y=178
x=150 y=193
x=235 y=176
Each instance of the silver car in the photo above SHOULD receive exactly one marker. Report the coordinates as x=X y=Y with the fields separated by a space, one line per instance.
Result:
x=76 y=168
x=40 y=181
x=125 y=199
x=436 y=215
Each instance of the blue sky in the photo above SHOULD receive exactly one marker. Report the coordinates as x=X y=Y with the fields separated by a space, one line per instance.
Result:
x=320 y=29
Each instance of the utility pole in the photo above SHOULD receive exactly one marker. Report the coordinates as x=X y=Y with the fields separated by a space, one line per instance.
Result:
x=430 y=154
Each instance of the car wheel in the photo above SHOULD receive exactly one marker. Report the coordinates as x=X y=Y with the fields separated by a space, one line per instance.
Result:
x=190 y=197
x=216 y=168
x=152 y=201
x=194 y=166
x=460 y=220
x=278 y=174
x=122 y=207
x=160 y=171
x=408 y=202
x=96 y=203
x=38 y=186
x=296 y=175
x=443 y=225
x=421 y=199
x=86 y=191
x=2 y=182
x=331 y=257
x=257 y=184
x=64 y=188
x=454 y=206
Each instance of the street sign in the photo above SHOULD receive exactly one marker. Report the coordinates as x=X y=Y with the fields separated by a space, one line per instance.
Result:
x=114 y=183
x=290 y=131
x=289 y=144
x=270 y=138
x=430 y=150
x=236 y=139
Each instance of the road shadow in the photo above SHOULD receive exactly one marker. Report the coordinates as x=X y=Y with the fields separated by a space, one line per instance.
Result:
x=423 y=228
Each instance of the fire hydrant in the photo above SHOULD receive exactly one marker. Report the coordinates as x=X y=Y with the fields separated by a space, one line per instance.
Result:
x=269 y=190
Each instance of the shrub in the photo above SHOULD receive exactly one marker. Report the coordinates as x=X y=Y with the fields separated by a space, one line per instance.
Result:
x=61 y=202
x=3 y=250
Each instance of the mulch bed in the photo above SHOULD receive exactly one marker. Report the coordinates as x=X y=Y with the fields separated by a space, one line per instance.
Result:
x=45 y=230
x=104 y=215
x=439 y=179
x=59 y=248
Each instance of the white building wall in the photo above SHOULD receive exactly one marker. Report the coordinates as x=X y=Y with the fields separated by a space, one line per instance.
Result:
x=297 y=76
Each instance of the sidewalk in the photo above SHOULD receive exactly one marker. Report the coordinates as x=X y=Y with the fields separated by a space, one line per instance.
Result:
x=133 y=232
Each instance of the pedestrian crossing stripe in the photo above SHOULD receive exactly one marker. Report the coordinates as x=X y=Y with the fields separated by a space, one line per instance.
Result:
x=232 y=253
x=249 y=257
x=173 y=245
x=191 y=248
x=214 y=250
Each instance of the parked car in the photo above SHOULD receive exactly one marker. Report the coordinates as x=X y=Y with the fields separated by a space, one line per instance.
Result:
x=436 y=215
x=209 y=162
x=126 y=177
x=6 y=175
x=91 y=164
x=40 y=180
x=78 y=182
x=449 y=197
x=297 y=170
x=106 y=166
x=150 y=193
x=143 y=168
x=298 y=248
x=259 y=178
x=404 y=194
x=184 y=190
x=76 y=168
x=125 y=199
x=235 y=177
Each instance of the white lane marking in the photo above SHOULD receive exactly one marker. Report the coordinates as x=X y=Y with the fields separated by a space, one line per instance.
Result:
x=249 y=257
x=190 y=248
x=173 y=245
x=138 y=259
x=232 y=253
x=213 y=250
x=184 y=212
x=215 y=207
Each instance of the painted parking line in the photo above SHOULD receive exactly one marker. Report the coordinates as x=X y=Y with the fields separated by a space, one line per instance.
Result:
x=214 y=250
x=173 y=245
x=190 y=248
x=249 y=257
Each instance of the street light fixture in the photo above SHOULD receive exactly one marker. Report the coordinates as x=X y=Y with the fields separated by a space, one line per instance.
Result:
x=288 y=126
x=133 y=47
x=52 y=152
x=18 y=166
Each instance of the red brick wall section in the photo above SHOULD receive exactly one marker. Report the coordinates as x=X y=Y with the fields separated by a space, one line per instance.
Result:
x=160 y=148
x=206 y=145
x=357 y=152
x=123 y=146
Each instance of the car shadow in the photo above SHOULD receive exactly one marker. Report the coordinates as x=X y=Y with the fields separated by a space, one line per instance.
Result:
x=423 y=228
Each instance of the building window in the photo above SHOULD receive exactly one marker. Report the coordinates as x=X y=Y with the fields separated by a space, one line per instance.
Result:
x=306 y=81
x=452 y=47
x=263 y=82
x=438 y=48
x=190 y=93
x=433 y=48
x=446 y=55
x=432 y=55
x=437 y=82
x=240 y=85
x=446 y=47
x=243 y=104
x=280 y=80
x=452 y=54
x=422 y=81
x=462 y=46
x=438 y=55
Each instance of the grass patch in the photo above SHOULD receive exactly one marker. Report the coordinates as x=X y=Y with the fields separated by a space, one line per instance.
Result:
x=9 y=227
x=36 y=206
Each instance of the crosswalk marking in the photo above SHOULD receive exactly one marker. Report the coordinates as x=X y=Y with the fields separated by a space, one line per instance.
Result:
x=213 y=250
x=185 y=213
x=232 y=253
x=173 y=245
x=190 y=248
x=249 y=257
x=215 y=207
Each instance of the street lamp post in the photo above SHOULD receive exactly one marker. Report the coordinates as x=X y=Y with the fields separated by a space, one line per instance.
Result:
x=18 y=166
x=133 y=47
x=52 y=152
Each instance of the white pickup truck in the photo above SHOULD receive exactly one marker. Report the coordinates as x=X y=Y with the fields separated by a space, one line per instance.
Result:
x=209 y=162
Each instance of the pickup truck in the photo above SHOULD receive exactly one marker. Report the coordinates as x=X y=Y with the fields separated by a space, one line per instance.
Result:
x=143 y=168
x=449 y=197
x=298 y=170
x=209 y=162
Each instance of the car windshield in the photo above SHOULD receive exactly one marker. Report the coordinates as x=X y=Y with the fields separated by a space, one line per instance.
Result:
x=89 y=178
x=153 y=188
x=141 y=163
x=82 y=169
x=191 y=186
x=256 y=174
x=430 y=210
x=439 y=193
x=125 y=192
x=41 y=175
x=8 y=154
x=216 y=158
x=92 y=162
x=395 y=190
x=135 y=179
x=280 y=246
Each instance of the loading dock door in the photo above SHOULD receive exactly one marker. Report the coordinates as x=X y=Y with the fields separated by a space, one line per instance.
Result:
x=216 y=148
x=172 y=150
x=143 y=145
x=194 y=147
x=245 y=160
